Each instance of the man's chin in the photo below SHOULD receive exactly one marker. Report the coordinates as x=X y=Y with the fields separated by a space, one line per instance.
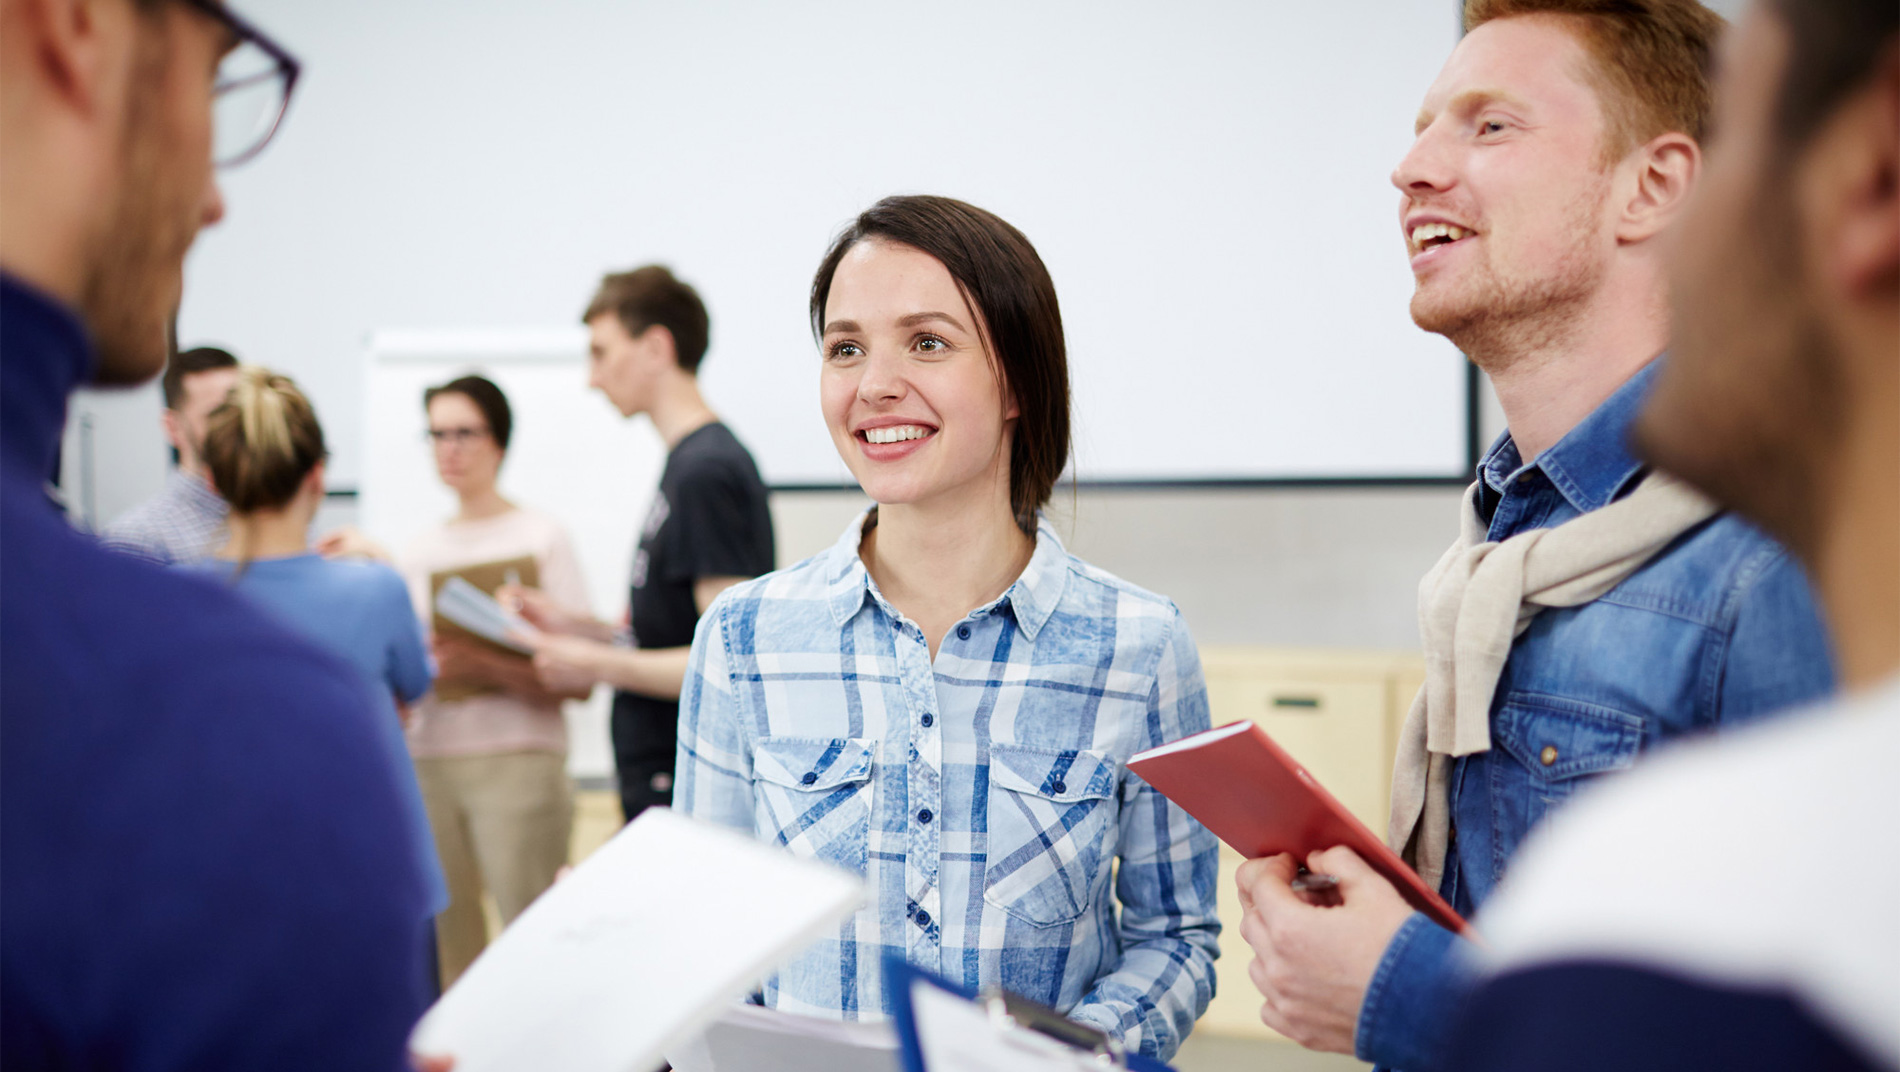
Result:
x=1443 y=314
x=128 y=355
x=131 y=314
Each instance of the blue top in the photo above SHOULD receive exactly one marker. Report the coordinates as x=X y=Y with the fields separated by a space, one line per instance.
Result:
x=203 y=856
x=360 y=611
x=982 y=794
x=1718 y=628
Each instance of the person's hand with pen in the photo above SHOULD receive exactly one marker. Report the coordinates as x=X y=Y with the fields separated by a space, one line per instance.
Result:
x=1318 y=933
x=575 y=651
x=569 y=648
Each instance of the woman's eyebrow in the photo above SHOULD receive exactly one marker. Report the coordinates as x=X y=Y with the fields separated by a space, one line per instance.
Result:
x=920 y=318
x=841 y=325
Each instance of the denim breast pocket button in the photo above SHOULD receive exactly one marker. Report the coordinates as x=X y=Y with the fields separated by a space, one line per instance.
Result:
x=1051 y=822
x=1556 y=744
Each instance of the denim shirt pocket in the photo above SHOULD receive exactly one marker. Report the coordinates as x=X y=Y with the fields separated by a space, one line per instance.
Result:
x=1556 y=744
x=812 y=795
x=1050 y=813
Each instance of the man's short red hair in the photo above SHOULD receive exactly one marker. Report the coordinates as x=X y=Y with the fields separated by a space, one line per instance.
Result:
x=1653 y=60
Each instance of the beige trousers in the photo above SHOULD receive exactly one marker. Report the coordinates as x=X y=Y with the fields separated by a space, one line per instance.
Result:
x=501 y=822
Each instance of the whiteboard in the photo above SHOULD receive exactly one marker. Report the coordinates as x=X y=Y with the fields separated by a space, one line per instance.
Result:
x=570 y=455
x=1207 y=181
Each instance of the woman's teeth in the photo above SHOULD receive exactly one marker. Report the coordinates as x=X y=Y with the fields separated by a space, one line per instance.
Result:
x=896 y=433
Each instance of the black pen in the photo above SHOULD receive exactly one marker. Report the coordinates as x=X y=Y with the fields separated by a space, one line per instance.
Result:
x=1308 y=882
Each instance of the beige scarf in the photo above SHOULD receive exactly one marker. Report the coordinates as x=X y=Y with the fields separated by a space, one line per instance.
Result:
x=1471 y=607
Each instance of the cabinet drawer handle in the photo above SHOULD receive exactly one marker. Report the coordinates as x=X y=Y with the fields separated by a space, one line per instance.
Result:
x=1308 y=702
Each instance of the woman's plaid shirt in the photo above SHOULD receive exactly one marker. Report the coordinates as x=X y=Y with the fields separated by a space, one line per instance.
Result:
x=984 y=796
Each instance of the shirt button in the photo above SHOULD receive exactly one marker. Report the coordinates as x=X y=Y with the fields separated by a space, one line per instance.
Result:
x=1060 y=786
x=1548 y=756
x=1525 y=478
x=923 y=918
x=928 y=719
x=923 y=816
x=963 y=632
x=810 y=777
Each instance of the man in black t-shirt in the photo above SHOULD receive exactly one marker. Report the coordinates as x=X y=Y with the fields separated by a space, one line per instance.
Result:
x=708 y=528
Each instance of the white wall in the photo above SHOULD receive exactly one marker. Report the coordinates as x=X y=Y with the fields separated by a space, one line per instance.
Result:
x=114 y=455
x=1207 y=181
x=1334 y=567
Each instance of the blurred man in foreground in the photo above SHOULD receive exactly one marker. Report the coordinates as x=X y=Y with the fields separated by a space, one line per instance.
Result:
x=1733 y=906
x=205 y=859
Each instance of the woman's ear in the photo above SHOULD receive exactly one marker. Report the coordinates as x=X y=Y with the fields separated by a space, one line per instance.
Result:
x=313 y=483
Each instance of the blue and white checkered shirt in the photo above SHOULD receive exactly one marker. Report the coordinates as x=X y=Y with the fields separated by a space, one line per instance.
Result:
x=180 y=525
x=984 y=797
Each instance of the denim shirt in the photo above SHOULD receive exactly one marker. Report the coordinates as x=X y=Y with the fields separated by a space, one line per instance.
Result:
x=1718 y=628
x=982 y=793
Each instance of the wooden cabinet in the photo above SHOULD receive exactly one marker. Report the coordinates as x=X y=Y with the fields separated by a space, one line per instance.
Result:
x=1338 y=713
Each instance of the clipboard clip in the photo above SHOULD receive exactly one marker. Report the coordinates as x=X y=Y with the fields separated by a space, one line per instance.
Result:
x=1009 y=1012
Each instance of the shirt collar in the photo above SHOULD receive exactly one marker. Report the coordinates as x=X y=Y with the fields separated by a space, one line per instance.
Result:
x=1592 y=464
x=1032 y=599
x=197 y=492
x=44 y=354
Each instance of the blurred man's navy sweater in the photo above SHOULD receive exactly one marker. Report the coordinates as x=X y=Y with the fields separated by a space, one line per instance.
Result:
x=204 y=862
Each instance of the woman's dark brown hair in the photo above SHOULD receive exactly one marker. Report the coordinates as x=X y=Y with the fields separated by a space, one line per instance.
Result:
x=262 y=442
x=487 y=397
x=1010 y=289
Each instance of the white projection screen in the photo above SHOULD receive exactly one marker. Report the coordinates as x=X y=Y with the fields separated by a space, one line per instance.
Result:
x=1207 y=181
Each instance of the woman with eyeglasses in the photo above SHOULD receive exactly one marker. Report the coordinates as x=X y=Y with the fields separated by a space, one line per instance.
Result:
x=944 y=700
x=489 y=743
x=265 y=452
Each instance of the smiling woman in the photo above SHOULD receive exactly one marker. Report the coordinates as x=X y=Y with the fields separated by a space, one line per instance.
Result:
x=945 y=699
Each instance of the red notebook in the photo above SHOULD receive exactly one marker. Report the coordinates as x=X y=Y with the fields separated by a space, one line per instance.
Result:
x=1259 y=800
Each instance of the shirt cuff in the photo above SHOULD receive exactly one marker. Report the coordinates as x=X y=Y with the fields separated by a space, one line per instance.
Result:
x=1414 y=995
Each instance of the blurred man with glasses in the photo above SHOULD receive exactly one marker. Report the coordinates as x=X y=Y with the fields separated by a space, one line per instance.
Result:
x=205 y=856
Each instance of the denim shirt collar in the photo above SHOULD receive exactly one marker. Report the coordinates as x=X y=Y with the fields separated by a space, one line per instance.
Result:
x=1592 y=464
x=1031 y=599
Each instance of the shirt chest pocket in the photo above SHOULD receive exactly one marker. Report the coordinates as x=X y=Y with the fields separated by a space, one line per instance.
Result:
x=1051 y=814
x=1555 y=745
x=813 y=795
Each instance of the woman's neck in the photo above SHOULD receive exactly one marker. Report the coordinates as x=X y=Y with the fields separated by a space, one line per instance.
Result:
x=267 y=534
x=937 y=562
x=485 y=503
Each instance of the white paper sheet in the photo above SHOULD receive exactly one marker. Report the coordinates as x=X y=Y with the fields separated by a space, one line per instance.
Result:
x=644 y=943
x=747 y=1038
x=479 y=613
x=957 y=1036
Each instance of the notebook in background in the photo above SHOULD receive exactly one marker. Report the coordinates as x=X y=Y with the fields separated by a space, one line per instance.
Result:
x=487 y=576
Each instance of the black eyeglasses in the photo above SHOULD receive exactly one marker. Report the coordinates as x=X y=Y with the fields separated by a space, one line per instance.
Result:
x=252 y=91
x=454 y=437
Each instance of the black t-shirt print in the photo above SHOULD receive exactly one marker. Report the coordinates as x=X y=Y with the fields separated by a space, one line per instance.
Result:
x=709 y=519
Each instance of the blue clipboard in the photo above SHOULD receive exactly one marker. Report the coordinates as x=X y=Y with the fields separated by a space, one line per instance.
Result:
x=1029 y=1023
